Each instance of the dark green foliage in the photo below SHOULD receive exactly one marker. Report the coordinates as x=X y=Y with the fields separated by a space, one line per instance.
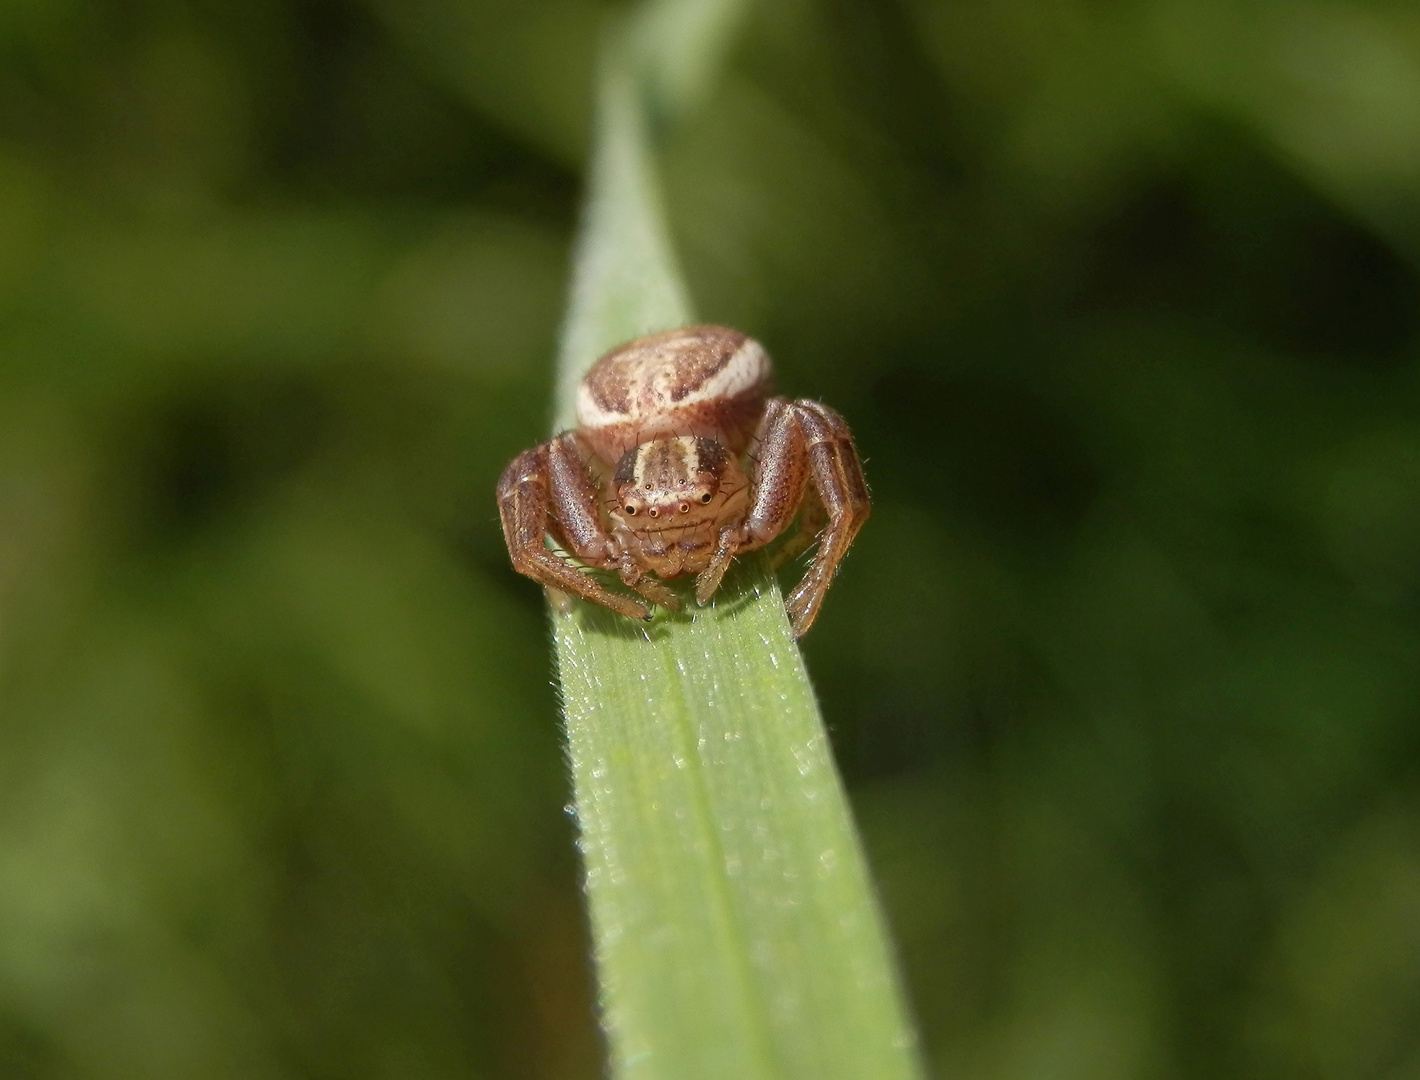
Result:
x=1121 y=300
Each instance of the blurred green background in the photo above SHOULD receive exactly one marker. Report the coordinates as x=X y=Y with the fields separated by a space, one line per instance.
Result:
x=1120 y=297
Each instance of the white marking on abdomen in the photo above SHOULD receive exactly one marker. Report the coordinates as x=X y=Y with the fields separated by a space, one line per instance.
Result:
x=649 y=393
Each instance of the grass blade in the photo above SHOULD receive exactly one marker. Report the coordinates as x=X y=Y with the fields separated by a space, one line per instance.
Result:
x=735 y=929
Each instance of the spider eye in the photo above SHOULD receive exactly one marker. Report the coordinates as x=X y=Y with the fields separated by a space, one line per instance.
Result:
x=684 y=508
x=629 y=510
x=654 y=512
x=705 y=498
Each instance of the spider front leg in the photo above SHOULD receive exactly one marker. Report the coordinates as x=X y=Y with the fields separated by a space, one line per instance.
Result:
x=799 y=442
x=577 y=525
x=838 y=480
x=776 y=490
x=552 y=477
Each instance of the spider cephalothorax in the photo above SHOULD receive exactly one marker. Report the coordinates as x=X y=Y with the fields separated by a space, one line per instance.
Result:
x=679 y=462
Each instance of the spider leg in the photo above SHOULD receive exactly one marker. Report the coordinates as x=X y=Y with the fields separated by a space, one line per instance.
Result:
x=552 y=477
x=839 y=484
x=803 y=442
x=812 y=518
x=778 y=481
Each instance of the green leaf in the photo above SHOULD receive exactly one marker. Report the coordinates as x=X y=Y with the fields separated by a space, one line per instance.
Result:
x=735 y=927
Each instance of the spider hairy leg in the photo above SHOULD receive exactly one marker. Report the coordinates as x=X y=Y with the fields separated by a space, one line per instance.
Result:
x=839 y=484
x=812 y=518
x=778 y=484
x=525 y=495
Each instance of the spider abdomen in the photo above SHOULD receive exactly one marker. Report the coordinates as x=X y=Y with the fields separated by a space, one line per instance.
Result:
x=707 y=381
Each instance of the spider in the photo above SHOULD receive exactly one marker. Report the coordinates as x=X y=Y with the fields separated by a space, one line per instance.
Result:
x=680 y=461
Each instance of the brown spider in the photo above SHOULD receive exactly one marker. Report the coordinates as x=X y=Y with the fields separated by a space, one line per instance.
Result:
x=679 y=462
